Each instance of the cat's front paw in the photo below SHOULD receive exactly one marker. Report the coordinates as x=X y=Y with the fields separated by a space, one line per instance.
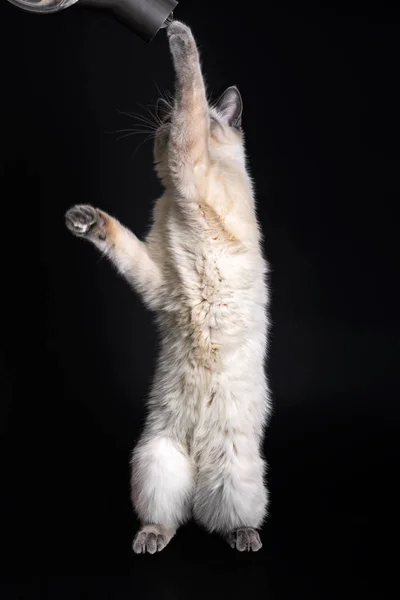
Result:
x=181 y=40
x=177 y=27
x=83 y=221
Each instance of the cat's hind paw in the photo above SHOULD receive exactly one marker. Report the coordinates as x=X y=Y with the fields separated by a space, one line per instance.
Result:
x=245 y=538
x=151 y=539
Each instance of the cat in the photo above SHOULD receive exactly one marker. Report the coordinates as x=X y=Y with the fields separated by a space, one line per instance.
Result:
x=202 y=271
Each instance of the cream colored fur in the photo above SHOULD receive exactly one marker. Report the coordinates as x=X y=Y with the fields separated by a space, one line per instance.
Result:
x=201 y=270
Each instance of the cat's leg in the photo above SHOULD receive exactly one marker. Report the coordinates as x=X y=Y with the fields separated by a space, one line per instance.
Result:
x=121 y=246
x=162 y=486
x=231 y=497
x=188 y=155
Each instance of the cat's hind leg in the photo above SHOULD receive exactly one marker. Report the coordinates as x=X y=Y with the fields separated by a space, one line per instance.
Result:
x=161 y=487
x=231 y=497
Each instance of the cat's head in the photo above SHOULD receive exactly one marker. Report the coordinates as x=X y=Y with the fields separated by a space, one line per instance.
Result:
x=225 y=132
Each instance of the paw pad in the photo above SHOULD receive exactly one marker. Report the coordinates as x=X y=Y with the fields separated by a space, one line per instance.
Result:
x=80 y=219
x=245 y=539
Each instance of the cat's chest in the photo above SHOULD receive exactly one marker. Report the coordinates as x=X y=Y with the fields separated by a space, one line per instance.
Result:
x=207 y=299
x=209 y=290
x=206 y=274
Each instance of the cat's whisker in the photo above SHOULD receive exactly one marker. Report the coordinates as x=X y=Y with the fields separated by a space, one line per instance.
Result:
x=159 y=92
x=146 y=120
x=140 y=145
x=167 y=96
x=133 y=133
x=153 y=116
x=144 y=117
x=129 y=129
x=139 y=117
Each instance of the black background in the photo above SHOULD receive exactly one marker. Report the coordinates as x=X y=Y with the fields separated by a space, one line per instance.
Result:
x=321 y=118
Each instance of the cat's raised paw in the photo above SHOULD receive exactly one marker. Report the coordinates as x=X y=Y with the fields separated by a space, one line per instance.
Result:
x=245 y=539
x=181 y=42
x=83 y=220
x=177 y=27
x=150 y=539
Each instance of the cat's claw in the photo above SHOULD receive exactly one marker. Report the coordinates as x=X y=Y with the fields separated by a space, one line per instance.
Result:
x=245 y=538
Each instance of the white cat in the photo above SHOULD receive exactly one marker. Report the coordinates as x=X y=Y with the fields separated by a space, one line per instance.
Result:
x=202 y=270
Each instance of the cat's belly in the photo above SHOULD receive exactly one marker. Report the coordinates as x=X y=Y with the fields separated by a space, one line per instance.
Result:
x=206 y=329
x=220 y=401
x=211 y=363
x=203 y=387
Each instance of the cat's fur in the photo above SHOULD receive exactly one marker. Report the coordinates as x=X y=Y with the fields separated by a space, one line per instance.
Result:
x=201 y=269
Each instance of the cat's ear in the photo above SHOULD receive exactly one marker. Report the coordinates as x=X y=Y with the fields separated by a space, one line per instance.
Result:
x=230 y=107
x=163 y=109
